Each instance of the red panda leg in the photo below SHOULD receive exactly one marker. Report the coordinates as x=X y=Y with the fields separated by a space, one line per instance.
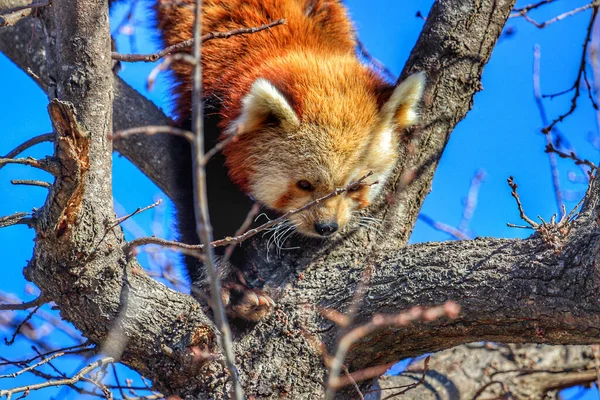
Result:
x=242 y=302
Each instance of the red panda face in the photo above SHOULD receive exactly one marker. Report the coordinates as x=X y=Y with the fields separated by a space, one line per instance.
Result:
x=287 y=156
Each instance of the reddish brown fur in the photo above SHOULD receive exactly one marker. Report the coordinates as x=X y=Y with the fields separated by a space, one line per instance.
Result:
x=344 y=121
x=231 y=66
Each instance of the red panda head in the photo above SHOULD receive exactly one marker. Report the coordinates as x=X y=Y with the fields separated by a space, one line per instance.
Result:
x=308 y=125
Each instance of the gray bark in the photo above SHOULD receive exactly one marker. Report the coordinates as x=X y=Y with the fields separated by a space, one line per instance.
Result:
x=492 y=371
x=509 y=290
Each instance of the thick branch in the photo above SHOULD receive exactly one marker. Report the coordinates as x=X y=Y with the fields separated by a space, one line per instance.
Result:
x=130 y=316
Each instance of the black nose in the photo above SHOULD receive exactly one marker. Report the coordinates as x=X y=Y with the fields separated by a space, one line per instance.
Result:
x=326 y=228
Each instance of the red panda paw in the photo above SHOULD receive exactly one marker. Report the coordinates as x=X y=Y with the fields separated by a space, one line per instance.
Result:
x=241 y=302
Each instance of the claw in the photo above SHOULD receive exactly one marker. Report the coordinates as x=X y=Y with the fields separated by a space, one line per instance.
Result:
x=245 y=303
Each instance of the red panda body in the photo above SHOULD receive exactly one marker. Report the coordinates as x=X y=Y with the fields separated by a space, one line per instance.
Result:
x=309 y=116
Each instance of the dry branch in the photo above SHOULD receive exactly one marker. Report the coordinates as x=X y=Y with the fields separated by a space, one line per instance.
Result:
x=23 y=306
x=60 y=382
x=186 y=45
x=247 y=234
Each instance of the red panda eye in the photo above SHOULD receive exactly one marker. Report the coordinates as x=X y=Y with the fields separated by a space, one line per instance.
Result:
x=305 y=185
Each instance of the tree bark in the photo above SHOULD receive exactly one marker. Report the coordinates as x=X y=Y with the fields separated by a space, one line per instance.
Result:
x=492 y=371
x=509 y=290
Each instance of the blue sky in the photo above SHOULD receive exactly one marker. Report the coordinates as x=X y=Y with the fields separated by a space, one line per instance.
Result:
x=500 y=135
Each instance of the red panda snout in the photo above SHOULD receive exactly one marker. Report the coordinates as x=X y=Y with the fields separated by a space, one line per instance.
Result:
x=323 y=219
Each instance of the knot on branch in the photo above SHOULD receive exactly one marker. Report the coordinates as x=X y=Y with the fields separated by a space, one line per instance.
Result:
x=72 y=151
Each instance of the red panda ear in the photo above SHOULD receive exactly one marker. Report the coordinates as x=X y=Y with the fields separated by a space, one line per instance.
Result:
x=401 y=108
x=264 y=103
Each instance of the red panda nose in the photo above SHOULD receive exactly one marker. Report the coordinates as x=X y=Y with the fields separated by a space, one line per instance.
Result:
x=326 y=228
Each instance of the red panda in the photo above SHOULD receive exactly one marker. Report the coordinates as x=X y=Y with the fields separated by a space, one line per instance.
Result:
x=310 y=116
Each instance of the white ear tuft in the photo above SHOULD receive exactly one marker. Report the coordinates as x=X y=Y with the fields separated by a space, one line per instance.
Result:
x=264 y=101
x=401 y=108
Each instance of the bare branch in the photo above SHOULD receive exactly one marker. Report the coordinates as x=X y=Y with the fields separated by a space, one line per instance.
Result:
x=523 y=13
x=577 y=85
x=203 y=227
x=449 y=309
x=440 y=226
x=60 y=382
x=29 y=368
x=578 y=161
x=24 y=306
x=30 y=183
x=46 y=164
x=248 y=234
x=15 y=219
x=153 y=130
x=515 y=195
x=47 y=137
x=10 y=341
x=530 y=7
x=378 y=64
x=185 y=45
x=549 y=137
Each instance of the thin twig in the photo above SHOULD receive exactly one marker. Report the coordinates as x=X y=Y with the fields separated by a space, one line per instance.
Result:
x=378 y=64
x=531 y=6
x=471 y=201
x=347 y=373
x=30 y=183
x=164 y=64
x=364 y=374
x=440 y=226
x=118 y=221
x=248 y=234
x=203 y=226
x=406 y=388
x=241 y=230
x=76 y=349
x=153 y=130
x=449 y=309
x=578 y=161
x=137 y=211
x=29 y=368
x=220 y=145
x=60 y=382
x=515 y=195
x=582 y=63
x=10 y=341
x=567 y=14
x=47 y=164
x=185 y=45
x=24 y=306
x=47 y=137
x=15 y=219
x=487 y=385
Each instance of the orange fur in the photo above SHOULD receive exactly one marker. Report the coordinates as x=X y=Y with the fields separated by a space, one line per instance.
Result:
x=306 y=107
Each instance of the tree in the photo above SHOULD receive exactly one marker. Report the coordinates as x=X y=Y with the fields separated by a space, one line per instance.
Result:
x=542 y=289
